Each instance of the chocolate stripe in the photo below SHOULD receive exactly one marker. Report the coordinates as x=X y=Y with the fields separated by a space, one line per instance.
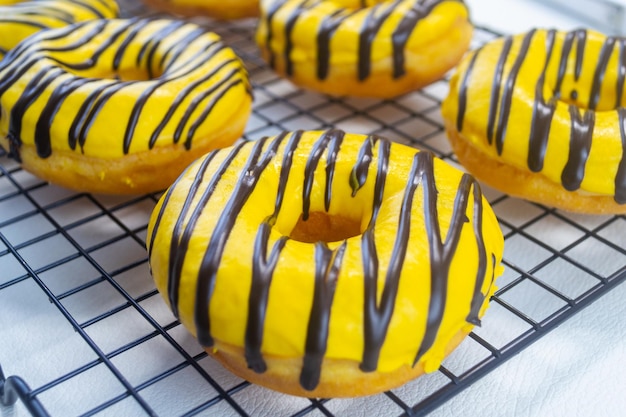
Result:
x=123 y=36
x=441 y=254
x=327 y=268
x=581 y=133
x=334 y=137
x=543 y=112
x=263 y=267
x=253 y=169
x=378 y=315
x=262 y=272
x=376 y=15
x=181 y=238
x=507 y=91
x=463 y=91
x=327 y=262
x=495 y=88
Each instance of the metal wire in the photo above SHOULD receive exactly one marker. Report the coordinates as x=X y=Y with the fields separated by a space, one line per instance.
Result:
x=101 y=242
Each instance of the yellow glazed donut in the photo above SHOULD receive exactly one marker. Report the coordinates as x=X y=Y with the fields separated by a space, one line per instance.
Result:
x=540 y=115
x=325 y=263
x=363 y=48
x=120 y=106
x=20 y=19
x=219 y=9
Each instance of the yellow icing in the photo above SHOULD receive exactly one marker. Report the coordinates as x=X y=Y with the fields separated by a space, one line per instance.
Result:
x=291 y=289
x=227 y=89
x=20 y=19
x=606 y=152
x=433 y=42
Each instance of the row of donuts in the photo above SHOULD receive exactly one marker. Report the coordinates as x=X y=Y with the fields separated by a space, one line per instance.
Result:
x=537 y=115
x=117 y=105
x=176 y=91
x=113 y=105
x=568 y=152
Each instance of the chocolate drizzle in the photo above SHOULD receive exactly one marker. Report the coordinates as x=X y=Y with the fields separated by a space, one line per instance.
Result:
x=262 y=271
x=372 y=24
x=274 y=8
x=495 y=87
x=43 y=139
x=330 y=141
x=441 y=253
x=401 y=35
x=324 y=35
x=582 y=120
x=579 y=146
x=621 y=72
x=603 y=61
x=180 y=243
x=200 y=95
x=263 y=266
x=289 y=26
x=543 y=112
x=250 y=174
x=463 y=91
x=375 y=331
x=581 y=39
x=29 y=17
x=358 y=175
x=507 y=91
x=479 y=298
x=378 y=315
x=372 y=163
x=375 y=17
x=327 y=267
x=31 y=93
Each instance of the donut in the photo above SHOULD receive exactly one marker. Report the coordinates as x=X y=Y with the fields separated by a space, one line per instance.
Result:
x=305 y=263
x=225 y=10
x=120 y=106
x=540 y=116
x=363 y=48
x=20 y=19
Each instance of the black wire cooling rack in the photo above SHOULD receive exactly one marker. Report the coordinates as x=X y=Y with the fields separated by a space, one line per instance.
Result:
x=84 y=328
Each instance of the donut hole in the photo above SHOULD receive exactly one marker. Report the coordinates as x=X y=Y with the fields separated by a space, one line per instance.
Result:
x=128 y=74
x=581 y=96
x=324 y=227
x=105 y=71
x=591 y=78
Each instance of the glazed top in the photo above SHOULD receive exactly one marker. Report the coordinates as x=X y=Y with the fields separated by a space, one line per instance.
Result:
x=339 y=32
x=551 y=102
x=418 y=268
x=20 y=19
x=107 y=88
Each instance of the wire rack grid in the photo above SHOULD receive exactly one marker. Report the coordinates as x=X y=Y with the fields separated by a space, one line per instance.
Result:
x=83 y=330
